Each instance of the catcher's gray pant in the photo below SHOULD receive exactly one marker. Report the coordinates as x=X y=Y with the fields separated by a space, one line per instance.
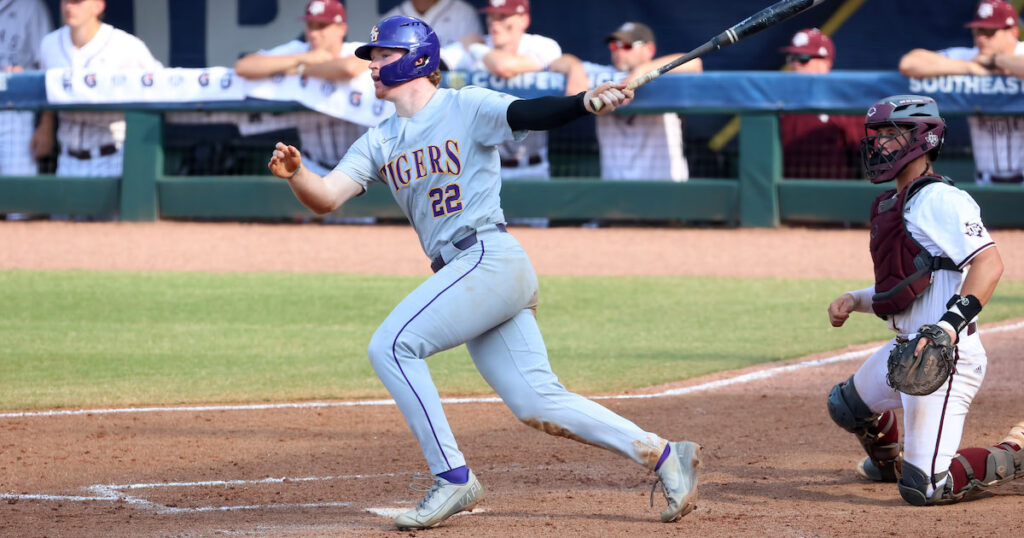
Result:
x=933 y=424
x=483 y=298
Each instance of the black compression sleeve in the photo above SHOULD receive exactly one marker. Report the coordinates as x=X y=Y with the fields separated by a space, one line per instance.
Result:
x=545 y=113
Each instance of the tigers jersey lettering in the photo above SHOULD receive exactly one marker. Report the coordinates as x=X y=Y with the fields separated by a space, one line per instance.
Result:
x=401 y=170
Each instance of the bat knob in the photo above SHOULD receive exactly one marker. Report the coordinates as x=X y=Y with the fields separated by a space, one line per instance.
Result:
x=596 y=104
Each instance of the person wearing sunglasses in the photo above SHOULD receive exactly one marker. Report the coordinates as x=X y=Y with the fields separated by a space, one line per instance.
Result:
x=639 y=146
x=997 y=141
x=817 y=146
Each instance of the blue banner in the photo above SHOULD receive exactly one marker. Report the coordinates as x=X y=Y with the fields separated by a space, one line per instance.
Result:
x=709 y=92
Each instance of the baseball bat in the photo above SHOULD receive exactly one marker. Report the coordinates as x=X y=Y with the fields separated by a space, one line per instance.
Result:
x=753 y=24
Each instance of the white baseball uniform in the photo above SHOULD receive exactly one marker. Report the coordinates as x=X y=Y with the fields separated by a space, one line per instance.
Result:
x=450 y=19
x=946 y=221
x=324 y=139
x=519 y=160
x=638 y=146
x=997 y=141
x=92 y=143
x=23 y=23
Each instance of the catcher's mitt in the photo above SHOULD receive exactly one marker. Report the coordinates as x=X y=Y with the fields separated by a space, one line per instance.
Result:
x=924 y=372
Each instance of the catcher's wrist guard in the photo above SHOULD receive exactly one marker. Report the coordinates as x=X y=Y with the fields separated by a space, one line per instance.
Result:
x=961 y=311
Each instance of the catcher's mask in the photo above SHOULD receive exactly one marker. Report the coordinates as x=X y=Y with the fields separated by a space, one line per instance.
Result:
x=921 y=131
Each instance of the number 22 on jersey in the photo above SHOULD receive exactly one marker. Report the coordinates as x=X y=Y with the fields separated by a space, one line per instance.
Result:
x=446 y=200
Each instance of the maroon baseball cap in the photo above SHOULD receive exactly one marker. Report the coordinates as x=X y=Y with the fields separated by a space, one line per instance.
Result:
x=994 y=14
x=507 y=7
x=811 y=41
x=329 y=11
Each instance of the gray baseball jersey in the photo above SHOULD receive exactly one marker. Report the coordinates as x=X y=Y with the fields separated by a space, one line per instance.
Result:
x=441 y=163
x=23 y=23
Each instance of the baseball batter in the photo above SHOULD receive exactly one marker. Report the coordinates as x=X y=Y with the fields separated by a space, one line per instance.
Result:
x=997 y=141
x=23 y=23
x=925 y=222
x=438 y=156
x=91 y=143
x=325 y=55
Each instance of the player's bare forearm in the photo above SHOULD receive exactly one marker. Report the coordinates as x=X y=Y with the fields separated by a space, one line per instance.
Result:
x=338 y=69
x=42 y=142
x=575 y=76
x=255 y=65
x=1009 y=64
x=320 y=194
x=506 y=65
x=921 y=63
x=985 y=270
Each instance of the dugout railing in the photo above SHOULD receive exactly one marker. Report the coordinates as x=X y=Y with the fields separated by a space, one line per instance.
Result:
x=757 y=197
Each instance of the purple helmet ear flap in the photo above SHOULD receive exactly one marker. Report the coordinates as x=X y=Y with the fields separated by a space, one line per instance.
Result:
x=417 y=38
x=922 y=132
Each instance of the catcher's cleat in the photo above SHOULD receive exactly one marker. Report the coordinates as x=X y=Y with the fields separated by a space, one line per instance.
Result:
x=678 y=478
x=442 y=501
x=1016 y=435
x=867 y=469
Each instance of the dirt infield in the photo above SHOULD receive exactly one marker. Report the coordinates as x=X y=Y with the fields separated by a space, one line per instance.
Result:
x=774 y=463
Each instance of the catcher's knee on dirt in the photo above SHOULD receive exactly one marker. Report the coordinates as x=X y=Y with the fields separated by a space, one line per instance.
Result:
x=876 y=432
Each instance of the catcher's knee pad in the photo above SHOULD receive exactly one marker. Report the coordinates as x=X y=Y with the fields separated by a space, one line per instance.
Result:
x=847 y=409
x=913 y=484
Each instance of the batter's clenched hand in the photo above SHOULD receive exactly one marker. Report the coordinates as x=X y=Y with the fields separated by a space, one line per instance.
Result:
x=839 y=310
x=286 y=161
x=612 y=94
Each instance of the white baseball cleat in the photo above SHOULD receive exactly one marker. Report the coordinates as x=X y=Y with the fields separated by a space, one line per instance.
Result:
x=678 y=478
x=443 y=500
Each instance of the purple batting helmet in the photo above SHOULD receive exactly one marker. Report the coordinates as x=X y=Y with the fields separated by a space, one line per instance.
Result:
x=922 y=132
x=423 y=54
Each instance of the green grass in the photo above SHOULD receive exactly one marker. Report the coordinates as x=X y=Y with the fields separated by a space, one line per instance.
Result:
x=82 y=339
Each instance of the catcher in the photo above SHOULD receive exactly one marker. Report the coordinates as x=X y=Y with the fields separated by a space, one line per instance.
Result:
x=935 y=268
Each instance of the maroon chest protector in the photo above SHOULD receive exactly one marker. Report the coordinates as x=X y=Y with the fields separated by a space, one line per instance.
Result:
x=903 y=268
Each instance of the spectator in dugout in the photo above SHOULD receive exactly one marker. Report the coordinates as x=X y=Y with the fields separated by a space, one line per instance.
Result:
x=91 y=142
x=508 y=51
x=324 y=55
x=450 y=19
x=639 y=146
x=997 y=141
x=818 y=146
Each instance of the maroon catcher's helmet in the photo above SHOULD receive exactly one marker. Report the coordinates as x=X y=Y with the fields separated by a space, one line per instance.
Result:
x=922 y=131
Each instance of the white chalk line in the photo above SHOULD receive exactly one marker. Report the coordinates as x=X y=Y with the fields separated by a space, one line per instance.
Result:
x=711 y=385
x=113 y=492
